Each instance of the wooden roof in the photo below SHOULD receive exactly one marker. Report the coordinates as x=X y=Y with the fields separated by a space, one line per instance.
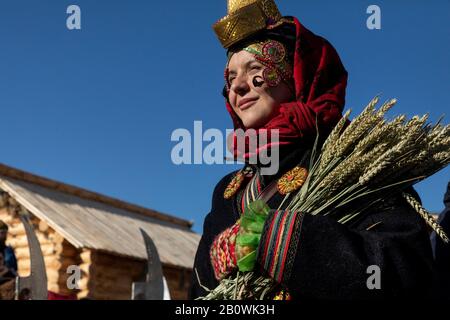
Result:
x=90 y=220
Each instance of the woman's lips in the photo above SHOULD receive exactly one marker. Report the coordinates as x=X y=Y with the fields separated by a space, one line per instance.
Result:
x=246 y=103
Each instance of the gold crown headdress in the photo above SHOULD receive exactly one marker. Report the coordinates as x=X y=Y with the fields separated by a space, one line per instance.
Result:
x=245 y=18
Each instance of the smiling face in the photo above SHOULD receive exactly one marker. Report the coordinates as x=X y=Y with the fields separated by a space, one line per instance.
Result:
x=254 y=102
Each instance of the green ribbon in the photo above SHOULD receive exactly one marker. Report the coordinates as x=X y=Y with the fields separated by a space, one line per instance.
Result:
x=249 y=235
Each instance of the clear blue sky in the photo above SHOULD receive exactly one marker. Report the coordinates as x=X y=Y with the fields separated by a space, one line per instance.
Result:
x=96 y=107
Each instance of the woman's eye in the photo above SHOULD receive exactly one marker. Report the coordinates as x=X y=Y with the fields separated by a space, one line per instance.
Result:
x=254 y=70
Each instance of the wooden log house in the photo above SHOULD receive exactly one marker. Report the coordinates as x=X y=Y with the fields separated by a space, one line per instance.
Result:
x=96 y=233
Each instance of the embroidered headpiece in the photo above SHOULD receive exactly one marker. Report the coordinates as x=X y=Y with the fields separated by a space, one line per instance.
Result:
x=273 y=55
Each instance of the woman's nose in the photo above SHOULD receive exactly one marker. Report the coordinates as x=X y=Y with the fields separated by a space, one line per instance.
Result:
x=240 y=85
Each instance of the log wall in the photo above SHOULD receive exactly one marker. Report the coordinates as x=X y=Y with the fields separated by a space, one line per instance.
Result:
x=103 y=276
x=58 y=253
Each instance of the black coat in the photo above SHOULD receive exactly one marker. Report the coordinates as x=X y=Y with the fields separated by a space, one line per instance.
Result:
x=332 y=259
x=442 y=250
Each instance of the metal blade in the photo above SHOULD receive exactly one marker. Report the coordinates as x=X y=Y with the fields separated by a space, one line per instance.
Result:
x=153 y=287
x=36 y=283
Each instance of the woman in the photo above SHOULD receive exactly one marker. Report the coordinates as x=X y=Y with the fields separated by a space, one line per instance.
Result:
x=281 y=76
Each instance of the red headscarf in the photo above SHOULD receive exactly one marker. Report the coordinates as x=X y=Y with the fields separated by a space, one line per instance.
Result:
x=320 y=81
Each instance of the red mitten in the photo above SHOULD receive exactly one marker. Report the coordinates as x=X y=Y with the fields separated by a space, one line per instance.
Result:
x=222 y=252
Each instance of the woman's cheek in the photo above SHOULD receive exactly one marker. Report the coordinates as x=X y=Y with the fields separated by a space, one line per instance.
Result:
x=232 y=100
x=236 y=110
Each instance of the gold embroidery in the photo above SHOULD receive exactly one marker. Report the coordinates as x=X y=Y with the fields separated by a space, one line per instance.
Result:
x=244 y=19
x=292 y=180
x=234 y=185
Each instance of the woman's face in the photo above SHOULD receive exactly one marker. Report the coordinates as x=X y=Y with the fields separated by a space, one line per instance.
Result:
x=254 y=105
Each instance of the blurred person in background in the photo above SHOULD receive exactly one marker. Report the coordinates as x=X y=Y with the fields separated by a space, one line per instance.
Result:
x=441 y=250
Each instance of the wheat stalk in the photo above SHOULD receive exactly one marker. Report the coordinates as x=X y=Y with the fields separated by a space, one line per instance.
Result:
x=335 y=133
x=426 y=216
x=335 y=145
x=382 y=133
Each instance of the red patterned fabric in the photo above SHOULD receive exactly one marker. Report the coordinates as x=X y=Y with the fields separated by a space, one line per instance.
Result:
x=55 y=296
x=320 y=82
x=222 y=253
